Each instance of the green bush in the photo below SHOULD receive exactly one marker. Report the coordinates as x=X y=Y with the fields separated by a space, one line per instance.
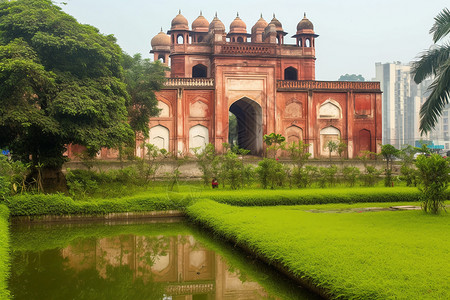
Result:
x=370 y=177
x=59 y=204
x=327 y=176
x=434 y=174
x=315 y=196
x=270 y=173
x=351 y=175
x=4 y=252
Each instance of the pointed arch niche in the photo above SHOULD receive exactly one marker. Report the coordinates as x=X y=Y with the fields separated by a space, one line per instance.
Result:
x=164 y=109
x=330 y=109
x=198 y=109
x=159 y=136
x=364 y=140
x=198 y=137
x=328 y=134
x=294 y=134
x=294 y=109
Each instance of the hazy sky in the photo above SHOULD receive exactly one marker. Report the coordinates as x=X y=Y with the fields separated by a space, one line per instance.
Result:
x=354 y=34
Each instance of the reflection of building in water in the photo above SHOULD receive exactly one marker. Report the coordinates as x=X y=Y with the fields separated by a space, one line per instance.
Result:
x=188 y=270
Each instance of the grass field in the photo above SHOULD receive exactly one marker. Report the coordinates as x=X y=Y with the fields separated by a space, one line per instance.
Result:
x=371 y=255
x=4 y=252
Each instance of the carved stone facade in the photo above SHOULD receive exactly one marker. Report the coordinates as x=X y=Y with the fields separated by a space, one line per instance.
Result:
x=268 y=85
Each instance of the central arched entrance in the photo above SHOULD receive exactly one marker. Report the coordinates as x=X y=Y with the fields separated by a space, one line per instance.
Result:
x=247 y=131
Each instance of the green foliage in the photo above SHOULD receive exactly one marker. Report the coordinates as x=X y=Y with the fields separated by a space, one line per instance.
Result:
x=230 y=168
x=435 y=63
x=274 y=142
x=13 y=177
x=327 y=176
x=351 y=175
x=4 y=252
x=58 y=204
x=371 y=176
x=434 y=174
x=206 y=161
x=332 y=146
x=389 y=153
x=143 y=78
x=270 y=173
x=60 y=83
x=349 y=255
x=314 y=196
x=351 y=77
x=409 y=175
x=298 y=153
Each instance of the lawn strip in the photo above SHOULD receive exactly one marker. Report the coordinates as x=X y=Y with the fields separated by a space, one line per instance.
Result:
x=374 y=255
x=4 y=252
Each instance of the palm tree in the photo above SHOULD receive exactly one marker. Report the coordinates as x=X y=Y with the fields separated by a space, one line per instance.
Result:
x=435 y=62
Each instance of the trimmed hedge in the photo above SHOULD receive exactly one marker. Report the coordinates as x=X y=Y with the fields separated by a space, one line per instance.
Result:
x=314 y=196
x=58 y=204
x=4 y=252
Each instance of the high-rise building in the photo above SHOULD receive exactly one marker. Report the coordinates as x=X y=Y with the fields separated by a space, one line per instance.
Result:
x=402 y=99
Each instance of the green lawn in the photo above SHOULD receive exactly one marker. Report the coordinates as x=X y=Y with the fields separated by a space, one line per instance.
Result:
x=4 y=252
x=371 y=255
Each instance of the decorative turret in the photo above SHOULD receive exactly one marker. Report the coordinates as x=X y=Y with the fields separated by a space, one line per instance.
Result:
x=258 y=29
x=179 y=31
x=200 y=28
x=216 y=30
x=238 y=31
x=161 y=47
x=279 y=30
x=305 y=33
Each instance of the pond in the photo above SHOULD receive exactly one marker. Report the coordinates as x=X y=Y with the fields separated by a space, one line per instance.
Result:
x=168 y=259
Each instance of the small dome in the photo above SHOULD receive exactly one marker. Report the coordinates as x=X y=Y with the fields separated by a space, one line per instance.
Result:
x=216 y=24
x=161 y=39
x=305 y=24
x=260 y=24
x=200 y=24
x=277 y=23
x=180 y=23
x=238 y=26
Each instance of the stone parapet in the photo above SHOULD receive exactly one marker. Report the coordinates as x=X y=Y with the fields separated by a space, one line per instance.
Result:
x=327 y=85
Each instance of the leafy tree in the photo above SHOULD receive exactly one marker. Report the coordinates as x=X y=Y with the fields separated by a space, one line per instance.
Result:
x=389 y=153
x=270 y=172
x=274 y=142
x=435 y=62
x=351 y=175
x=332 y=146
x=434 y=174
x=351 y=77
x=298 y=152
x=206 y=161
x=60 y=83
x=342 y=146
x=143 y=78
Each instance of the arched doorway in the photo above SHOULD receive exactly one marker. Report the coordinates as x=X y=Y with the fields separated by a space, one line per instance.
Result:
x=248 y=115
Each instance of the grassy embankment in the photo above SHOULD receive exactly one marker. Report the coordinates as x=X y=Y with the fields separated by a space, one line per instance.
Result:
x=376 y=255
x=4 y=252
x=58 y=204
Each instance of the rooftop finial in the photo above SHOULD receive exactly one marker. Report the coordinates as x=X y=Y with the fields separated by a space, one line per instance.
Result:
x=237 y=15
x=261 y=15
x=274 y=15
x=304 y=15
x=161 y=29
x=179 y=11
x=216 y=14
x=201 y=13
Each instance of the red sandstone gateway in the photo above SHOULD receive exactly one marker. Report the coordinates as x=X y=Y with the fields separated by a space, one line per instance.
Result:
x=269 y=86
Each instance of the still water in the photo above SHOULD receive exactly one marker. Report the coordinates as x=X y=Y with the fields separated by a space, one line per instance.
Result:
x=163 y=260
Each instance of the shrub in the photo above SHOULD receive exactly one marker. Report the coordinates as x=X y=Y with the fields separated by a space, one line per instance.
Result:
x=350 y=175
x=409 y=175
x=434 y=174
x=327 y=176
x=270 y=172
x=371 y=176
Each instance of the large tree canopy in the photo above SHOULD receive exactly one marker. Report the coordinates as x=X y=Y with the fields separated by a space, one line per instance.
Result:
x=435 y=62
x=60 y=82
x=142 y=78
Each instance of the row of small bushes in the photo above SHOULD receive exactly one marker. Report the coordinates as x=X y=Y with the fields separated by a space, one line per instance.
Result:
x=59 y=204
x=4 y=252
x=315 y=196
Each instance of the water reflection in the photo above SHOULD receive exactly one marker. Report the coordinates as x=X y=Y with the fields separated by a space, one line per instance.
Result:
x=124 y=266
